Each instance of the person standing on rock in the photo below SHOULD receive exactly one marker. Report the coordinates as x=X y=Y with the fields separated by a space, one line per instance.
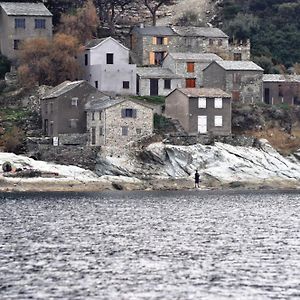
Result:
x=197 y=179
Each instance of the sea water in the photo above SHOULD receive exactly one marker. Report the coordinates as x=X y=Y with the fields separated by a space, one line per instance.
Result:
x=150 y=245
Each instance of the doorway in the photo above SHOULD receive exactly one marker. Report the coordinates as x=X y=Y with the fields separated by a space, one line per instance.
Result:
x=153 y=87
x=202 y=124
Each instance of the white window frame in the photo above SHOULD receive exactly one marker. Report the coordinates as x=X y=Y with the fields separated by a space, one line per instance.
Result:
x=218 y=121
x=201 y=102
x=74 y=101
x=218 y=103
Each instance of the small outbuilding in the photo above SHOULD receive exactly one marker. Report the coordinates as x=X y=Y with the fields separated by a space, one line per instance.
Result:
x=200 y=110
x=281 y=88
x=157 y=81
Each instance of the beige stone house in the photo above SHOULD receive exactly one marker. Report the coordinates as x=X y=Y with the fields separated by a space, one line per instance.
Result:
x=190 y=66
x=22 y=21
x=200 y=110
x=149 y=45
x=116 y=122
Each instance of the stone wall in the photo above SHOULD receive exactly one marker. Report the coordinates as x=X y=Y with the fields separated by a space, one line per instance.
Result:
x=81 y=156
x=250 y=85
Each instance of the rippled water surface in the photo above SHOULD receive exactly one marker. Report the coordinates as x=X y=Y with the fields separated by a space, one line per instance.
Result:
x=170 y=245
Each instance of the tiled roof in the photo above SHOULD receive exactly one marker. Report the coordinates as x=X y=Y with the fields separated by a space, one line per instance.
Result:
x=281 y=78
x=154 y=30
x=203 y=57
x=204 y=92
x=63 y=88
x=199 y=31
x=231 y=65
x=25 y=9
x=156 y=72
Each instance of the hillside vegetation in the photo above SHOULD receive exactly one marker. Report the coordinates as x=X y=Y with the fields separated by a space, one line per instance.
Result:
x=272 y=25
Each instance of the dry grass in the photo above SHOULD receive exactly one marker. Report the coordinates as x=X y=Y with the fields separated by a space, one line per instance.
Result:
x=283 y=142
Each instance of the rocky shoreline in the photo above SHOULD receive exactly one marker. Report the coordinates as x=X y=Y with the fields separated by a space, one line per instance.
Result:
x=115 y=183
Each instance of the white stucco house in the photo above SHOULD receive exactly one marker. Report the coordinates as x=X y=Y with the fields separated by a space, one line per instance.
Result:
x=106 y=66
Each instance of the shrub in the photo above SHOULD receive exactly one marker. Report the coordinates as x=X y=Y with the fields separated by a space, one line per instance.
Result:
x=13 y=140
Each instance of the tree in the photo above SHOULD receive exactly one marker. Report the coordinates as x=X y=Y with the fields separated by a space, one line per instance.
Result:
x=110 y=10
x=83 y=24
x=154 y=5
x=49 y=62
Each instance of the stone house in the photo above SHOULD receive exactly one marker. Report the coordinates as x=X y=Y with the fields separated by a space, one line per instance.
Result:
x=279 y=89
x=157 y=81
x=241 y=79
x=116 y=122
x=105 y=64
x=62 y=108
x=149 y=45
x=190 y=66
x=200 y=110
x=22 y=21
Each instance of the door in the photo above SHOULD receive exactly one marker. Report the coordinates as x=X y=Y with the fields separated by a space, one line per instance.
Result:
x=202 y=124
x=46 y=127
x=267 y=95
x=153 y=87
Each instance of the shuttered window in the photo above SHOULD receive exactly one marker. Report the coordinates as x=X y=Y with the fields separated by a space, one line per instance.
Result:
x=128 y=113
x=218 y=103
x=218 y=121
x=201 y=102
x=151 y=58
x=190 y=82
x=190 y=67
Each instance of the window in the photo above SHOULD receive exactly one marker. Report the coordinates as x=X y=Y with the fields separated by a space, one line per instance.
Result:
x=125 y=84
x=211 y=42
x=218 y=121
x=167 y=84
x=40 y=23
x=159 y=40
x=101 y=131
x=128 y=113
x=109 y=58
x=190 y=82
x=93 y=133
x=93 y=116
x=51 y=107
x=100 y=115
x=138 y=131
x=218 y=103
x=19 y=23
x=280 y=93
x=96 y=84
x=51 y=128
x=46 y=108
x=17 y=44
x=73 y=123
x=220 y=42
x=237 y=56
x=201 y=102
x=158 y=57
x=190 y=67
x=86 y=59
x=124 y=130
x=74 y=101
x=237 y=78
